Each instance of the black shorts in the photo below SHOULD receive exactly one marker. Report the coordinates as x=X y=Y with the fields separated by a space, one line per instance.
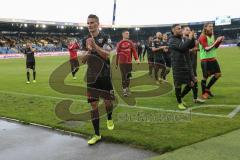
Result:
x=150 y=60
x=209 y=68
x=101 y=88
x=167 y=60
x=30 y=65
x=159 y=61
x=184 y=80
x=74 y=64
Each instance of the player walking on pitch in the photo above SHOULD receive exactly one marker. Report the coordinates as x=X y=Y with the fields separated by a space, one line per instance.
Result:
x=99 y=83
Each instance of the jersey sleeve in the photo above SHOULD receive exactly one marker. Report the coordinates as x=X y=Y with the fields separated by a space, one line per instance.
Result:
x=70 y=47
x=77 y=45
x=204 y=43
x=134 y=52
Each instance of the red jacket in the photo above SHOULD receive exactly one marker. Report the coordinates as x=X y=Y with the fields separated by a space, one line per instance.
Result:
x=125 y=49
x=72 y=48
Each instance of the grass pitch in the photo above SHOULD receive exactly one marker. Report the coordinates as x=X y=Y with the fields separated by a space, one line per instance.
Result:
x=153 y=124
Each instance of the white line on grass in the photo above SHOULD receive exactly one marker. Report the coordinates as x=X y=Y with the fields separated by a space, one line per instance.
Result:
x=175 y=111
x=234 y=112
x=41 y=96
x=189 y=111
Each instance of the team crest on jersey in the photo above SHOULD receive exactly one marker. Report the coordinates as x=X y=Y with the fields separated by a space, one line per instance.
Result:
x=100 y=40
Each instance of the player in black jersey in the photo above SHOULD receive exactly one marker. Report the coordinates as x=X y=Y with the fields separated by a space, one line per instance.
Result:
x=192 y=62
x=99 y=83
x=30 y=62
x=166 y=56
x=148 y=49
x=159 y=62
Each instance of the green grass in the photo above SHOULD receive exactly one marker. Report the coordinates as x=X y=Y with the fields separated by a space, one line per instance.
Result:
x=164 y=135
x=224 y=147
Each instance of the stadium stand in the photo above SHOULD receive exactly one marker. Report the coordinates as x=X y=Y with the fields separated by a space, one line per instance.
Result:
x=13 y=36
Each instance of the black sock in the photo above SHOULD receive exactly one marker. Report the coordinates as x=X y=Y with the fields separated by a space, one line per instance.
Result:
x=178 y=94
x=212 y=81
x=109 y=109
x=203 y=84
x=109 y=116
x=185 y=91
x=150 y=70
x=76 y=70
x=28 y=76
x=124 y=84
x=163 y=73
x=95 y=121
x=128 y=83
x=34 y=75
x=166 y=73
x=73 y=73
x=195 y=90
x=156 y=69
x=168 y=70
x=109 y=113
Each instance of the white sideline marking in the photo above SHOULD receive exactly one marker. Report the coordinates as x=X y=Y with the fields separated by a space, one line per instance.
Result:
x=234 y=112
x=189 y=111
x=176 y=111
x=41 y=96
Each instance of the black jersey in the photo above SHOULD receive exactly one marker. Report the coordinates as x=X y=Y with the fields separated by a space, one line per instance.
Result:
x=158 y=54
x=97 y=66
x=29 y=55
x=148 y=49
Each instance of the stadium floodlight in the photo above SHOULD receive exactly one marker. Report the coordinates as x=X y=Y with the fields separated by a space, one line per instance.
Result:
x=62 y=27
x=25 y=25
x=114 y=29
x=100 y=29
x=137 y=29
x=44 y=26
x=37 y=25
x=81 y=28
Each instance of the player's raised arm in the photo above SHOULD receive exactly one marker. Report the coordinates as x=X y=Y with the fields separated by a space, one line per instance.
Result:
x=85 y=52
x=206 y=34
x=206 y=46
x=103 y=52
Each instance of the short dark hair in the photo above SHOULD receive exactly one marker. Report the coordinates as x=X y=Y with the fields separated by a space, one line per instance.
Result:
x=94 y=16
x=173 y=26
x=186 y=27
x=125 y=30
